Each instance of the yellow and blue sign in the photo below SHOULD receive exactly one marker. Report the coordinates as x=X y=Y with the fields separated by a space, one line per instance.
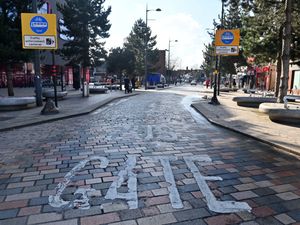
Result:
x=39 y=31
x=227 y=42
x=228 y=37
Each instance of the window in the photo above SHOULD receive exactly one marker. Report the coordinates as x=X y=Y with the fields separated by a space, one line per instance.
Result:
x=296 y=80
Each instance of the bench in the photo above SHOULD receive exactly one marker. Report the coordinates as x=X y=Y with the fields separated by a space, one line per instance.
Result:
x=16 y=103
x=253 y=102
x=97 y=88
x=288 y=98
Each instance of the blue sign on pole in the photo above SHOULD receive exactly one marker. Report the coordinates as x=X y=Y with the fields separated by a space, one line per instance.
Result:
x=227 y=37
x=39 y=24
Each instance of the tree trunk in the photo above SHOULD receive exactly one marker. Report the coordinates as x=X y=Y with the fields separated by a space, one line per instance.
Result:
x=286 y=47
x=9 y=77
x=278 y=74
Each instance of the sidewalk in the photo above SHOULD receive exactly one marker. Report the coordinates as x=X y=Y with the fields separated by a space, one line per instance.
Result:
x=250 y=122
x=73 y=105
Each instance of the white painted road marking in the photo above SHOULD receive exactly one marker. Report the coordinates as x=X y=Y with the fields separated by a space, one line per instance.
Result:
x=126 y=174
x=56 y=200
x=173 y=191
x=212 y=203
x=131 y=196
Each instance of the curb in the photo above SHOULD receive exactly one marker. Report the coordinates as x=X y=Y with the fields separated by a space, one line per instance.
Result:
x=67 y=116
x=278 y=147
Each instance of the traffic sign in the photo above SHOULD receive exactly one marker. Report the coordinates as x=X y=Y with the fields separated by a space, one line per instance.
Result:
x=227 y=37
x=227 y=50
x=39 y=31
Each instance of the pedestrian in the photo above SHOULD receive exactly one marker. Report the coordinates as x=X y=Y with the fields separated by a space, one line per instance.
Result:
x=207 y=82
x=126 y=84
x=133 y=83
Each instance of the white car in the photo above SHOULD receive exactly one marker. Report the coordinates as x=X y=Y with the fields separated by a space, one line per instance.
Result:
x=193 y=82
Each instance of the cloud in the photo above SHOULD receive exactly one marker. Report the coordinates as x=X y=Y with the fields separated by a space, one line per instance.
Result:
x=184 y=28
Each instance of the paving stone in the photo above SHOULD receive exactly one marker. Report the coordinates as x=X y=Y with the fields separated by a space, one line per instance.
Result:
x=295 y=214
x=14 y=221
x=65 y=222
x=13 y=204
x=167 y=208
x=10 y=191
x=223 y=220
x=292 y=204
x=266 y=200
x=22 y=196
x=44 y=218
x=190 y=222
x=157 y=200
x=150 y=211
x=191 y=214
x=39 y=201
x=263 y=211
x=268 y=220
x=283 y=188
x=146 y=187
x=158 y=219
x=100 y=219
x=245 y=187
x=128 y=222
x=114 y=206
x=29 y=211
x=130 y=214
x=244 y=195
x=74 y=213
x=9 y=213
x=285 y=219
x=197 y=203
x=264 y=191
x=249 y=223
x=288 y=196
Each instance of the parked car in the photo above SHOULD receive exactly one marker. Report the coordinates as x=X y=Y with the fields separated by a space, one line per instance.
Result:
x=193 y=82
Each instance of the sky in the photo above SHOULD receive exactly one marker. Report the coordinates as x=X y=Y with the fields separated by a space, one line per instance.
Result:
x=184 y=20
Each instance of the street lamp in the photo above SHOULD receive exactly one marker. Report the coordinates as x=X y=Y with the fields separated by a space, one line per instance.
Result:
x=146 y=44
x=217 y=74
x=169 y=57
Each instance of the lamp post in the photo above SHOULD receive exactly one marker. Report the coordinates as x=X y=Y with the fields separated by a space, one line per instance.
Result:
x=37 y=68
x=146 y=44
x=169 y=57
x=219 y=57
x=217 y=74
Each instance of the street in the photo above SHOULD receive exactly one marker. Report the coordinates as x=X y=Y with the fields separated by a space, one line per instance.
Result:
x=144 y=160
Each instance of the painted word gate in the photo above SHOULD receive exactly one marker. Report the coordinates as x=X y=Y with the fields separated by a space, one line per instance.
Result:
x=128 y=175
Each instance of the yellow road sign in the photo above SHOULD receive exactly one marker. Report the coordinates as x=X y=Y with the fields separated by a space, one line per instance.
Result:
x=39 y=31
x=227 y=37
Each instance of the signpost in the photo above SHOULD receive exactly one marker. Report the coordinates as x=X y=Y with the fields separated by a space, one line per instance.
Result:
x=227 y=42
x=39 y=31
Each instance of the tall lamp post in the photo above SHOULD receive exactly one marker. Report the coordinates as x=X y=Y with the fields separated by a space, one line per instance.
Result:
x=146 y=44
x=169 y=58
x=37 y=68
x=217 y=75
x=219 y=57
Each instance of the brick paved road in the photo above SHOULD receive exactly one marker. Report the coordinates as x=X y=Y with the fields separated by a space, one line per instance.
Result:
x=131 y=135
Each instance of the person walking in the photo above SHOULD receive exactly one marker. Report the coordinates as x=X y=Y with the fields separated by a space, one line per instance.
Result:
x=133 y=83
x=126 y=84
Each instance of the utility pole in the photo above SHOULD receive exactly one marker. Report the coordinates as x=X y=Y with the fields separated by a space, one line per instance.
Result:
x=37 y=68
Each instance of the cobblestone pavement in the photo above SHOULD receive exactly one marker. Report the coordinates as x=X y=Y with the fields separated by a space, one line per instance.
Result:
x=143 y=160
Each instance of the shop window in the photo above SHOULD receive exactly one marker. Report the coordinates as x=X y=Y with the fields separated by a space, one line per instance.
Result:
x=296 y=80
